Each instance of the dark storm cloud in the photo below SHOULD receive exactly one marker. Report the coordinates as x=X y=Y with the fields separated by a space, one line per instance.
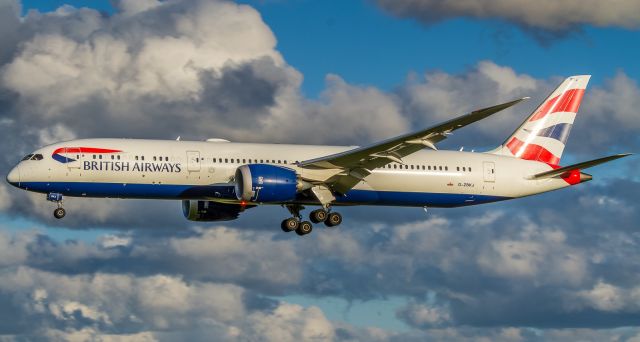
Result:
x=545 y=20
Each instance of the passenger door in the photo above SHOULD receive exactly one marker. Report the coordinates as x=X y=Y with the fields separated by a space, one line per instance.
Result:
x=489 y=172
x=193 y=161
x=73 y=157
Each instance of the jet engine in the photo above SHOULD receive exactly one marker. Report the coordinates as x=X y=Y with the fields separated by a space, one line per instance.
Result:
x=211 y=211
x=265 y=183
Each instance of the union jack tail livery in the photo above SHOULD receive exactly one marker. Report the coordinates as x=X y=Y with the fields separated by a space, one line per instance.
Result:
x=542 y=137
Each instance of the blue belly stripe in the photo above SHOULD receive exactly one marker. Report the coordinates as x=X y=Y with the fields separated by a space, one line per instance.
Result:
x=226 y=191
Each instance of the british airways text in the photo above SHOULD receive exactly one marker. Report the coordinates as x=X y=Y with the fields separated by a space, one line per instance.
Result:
x=127 y=166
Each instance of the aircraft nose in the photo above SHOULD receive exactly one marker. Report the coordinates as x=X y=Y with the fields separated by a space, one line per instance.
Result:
x=14 y=176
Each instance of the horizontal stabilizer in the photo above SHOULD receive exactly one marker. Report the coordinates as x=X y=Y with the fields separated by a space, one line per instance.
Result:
x=563 y=170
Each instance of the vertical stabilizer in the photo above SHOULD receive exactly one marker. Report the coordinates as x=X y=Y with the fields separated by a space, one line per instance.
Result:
x=542 y=137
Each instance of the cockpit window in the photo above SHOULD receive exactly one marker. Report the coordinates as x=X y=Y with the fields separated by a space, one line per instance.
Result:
x=33 y=157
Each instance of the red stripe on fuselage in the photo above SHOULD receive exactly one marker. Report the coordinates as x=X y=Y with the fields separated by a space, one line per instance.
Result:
x=84 y=150
x=569 y=101
x=531 y=152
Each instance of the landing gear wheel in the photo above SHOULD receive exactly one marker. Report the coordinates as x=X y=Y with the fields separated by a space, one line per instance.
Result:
x=318 y=216
x=290 y=224
x=59 y=213
x=304 y=228
x=333 y=219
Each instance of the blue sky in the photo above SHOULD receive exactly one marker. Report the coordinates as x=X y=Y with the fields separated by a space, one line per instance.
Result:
x=358 y=41
x=534 y=268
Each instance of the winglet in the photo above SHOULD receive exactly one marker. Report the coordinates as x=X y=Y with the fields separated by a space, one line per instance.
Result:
x=583 y=165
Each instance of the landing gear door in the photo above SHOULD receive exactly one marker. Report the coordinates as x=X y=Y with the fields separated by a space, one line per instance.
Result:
x=193 y=161
x=73 y=157
x=489 y=172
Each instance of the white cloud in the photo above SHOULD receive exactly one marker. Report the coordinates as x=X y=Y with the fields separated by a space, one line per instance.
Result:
x=290 y=322
x=424 y=316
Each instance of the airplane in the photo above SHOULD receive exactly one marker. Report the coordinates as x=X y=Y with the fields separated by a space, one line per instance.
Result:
x=217 y=180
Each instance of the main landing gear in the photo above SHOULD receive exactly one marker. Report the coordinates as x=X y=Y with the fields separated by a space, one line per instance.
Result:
x=59 y=212
x=295 y=223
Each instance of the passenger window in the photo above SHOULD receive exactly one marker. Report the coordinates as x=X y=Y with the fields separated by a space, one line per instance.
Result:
x=141 y=157
x=429 y=167
x=244 y=161
x=457 y=168
x=118 y=157
x=440 y=168
x=100 y=157
x=226 y=160
x=464 y=168
x=469 y=169
x=154 y=158
x=446 y=168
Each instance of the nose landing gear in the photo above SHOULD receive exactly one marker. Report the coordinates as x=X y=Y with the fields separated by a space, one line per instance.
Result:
x=59 y=213
x=56 y=197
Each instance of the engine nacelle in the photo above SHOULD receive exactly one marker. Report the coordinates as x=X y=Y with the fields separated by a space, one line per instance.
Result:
x=265 y=183
x=210 y=211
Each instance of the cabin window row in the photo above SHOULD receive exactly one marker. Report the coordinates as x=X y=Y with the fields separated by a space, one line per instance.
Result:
x=246 y=161
x=99 y=156
x=394 y=166
x=117 y=157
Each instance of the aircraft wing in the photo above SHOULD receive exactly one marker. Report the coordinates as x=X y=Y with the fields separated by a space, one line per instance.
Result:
x=358 y=163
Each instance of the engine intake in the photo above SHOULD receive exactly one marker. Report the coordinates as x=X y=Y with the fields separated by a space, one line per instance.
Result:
x=210 y=211
x=265 y=183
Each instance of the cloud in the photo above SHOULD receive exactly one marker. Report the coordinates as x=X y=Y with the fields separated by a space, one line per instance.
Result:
x=424 y=316
x=202 y=69
x=448 y=268
x=548 y=15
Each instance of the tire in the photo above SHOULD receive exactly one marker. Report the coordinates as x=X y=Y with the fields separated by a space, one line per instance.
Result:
x=318 y=216
x=289 y=225
x=59 y=213
x=304 y=228
x=333 y=219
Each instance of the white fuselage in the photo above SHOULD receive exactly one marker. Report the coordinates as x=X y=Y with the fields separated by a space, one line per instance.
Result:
x=160 y=169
